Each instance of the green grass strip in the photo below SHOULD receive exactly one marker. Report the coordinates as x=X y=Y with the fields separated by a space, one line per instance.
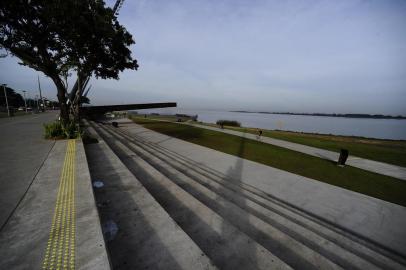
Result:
x=379 y=186
x=388 y=151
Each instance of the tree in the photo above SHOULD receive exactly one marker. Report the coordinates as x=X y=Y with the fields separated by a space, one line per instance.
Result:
x=14 y=99
x=58 y=37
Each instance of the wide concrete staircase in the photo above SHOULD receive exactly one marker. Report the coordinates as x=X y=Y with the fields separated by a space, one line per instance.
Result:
x=238 y=226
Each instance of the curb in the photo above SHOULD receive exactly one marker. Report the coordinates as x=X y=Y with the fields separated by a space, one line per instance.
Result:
x=91 y=247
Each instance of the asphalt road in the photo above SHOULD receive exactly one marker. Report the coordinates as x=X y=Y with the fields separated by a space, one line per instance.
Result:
x=22 y=152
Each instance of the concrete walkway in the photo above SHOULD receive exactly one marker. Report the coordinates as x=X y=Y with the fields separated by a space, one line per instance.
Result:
x=22 y=152
x=362 y=163
x=382 y=222
x=56 y=223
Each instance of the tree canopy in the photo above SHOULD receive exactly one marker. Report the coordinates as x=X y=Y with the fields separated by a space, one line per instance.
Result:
x=57 y=37
x=14 y=99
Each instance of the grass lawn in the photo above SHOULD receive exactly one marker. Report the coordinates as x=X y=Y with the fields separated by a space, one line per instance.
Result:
x=388 y=151
x=372 y=184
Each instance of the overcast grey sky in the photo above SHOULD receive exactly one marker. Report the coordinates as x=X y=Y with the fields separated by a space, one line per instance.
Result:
x=301 y=56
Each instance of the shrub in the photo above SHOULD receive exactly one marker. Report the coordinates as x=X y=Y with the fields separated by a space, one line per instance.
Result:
x=72 y=130
x=232 y=123
x=55 y=130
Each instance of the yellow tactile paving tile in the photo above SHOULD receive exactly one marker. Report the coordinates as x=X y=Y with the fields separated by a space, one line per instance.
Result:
x=60 y=250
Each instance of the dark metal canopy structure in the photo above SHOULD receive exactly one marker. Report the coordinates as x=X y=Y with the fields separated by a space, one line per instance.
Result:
x=95 y=111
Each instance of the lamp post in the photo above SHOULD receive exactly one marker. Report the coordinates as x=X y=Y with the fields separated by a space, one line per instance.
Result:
x=37 y=101
x=25 y=102
x=5 y=95
x=40 y=96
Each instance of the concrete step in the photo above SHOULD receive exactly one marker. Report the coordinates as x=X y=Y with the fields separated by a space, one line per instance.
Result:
x=279 y=243
x=147 y=238
x=340 y=246
x=228 y=247
x=298 y=229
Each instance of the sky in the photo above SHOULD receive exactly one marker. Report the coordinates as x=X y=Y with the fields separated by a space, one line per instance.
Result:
x=298 y=56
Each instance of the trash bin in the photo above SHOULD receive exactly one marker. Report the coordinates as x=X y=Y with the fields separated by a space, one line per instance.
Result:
x=114 y=124
x=343 y=157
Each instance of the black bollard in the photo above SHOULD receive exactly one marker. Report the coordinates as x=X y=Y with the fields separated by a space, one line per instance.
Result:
x=343 y=157
x=114 y=124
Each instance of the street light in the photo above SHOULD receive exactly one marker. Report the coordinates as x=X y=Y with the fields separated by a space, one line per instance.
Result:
x=25 y=102
x=5 y=95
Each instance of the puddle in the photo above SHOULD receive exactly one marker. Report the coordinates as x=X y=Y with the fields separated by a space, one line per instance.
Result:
x=98 y=184
x=110 y=230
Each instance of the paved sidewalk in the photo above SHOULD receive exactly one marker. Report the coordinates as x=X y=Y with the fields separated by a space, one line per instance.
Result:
x=56 y=224
x=22 y=152
x=374 y=219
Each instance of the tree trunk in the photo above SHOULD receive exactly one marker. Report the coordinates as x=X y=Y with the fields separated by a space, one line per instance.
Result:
x=76 y=99
x=76 y=111
x=63 y=107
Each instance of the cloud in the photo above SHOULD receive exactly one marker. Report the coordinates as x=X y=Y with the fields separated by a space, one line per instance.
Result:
x=314 y=56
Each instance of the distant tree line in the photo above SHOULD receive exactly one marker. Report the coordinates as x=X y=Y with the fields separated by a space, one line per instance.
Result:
x=16 y=100
x=231 y=123
x=347 y=115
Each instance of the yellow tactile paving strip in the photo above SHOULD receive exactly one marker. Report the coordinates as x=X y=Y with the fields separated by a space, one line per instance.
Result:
x=60 y=251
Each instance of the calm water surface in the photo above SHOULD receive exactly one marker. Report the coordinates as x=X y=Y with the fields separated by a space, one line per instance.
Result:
x=373 y=128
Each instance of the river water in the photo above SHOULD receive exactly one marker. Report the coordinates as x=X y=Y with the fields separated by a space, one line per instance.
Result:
x=365 y=127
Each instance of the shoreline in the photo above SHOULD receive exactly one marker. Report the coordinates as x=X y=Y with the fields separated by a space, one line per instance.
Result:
x=330 y=135
x=348 y=115
x=308 y=133
x=360 y=137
